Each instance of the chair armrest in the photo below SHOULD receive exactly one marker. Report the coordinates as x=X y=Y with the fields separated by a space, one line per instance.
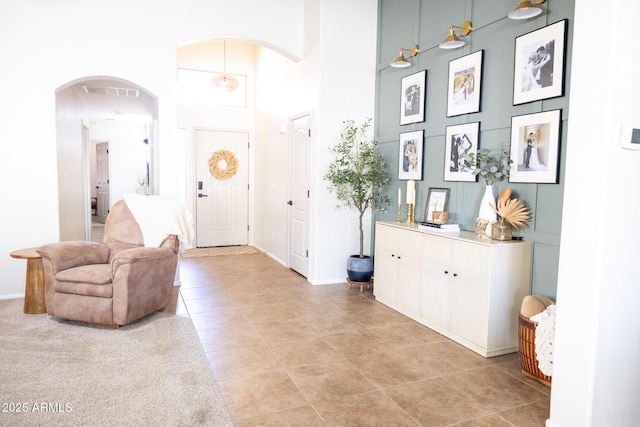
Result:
x=65 y=255
x=141 y=254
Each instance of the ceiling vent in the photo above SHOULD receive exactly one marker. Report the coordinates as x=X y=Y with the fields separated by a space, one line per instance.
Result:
x=112 y=91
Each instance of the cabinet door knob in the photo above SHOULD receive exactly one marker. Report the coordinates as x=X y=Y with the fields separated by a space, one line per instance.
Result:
x=446 y=272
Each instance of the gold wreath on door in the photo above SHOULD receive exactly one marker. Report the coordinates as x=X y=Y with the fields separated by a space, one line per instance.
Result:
x=223 y=164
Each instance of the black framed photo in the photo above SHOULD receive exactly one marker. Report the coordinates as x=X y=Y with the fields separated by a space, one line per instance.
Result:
x=535 y=147
x=437 y=200
x=465 y=81
x=410 y=155
x=539 y=64
x=458 y=139
x=413 y=96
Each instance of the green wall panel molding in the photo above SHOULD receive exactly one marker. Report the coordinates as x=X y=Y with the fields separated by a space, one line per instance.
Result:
x=425 y=22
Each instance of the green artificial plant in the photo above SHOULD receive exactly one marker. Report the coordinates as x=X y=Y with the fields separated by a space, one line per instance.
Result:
x=358 y=174
x=492 y=167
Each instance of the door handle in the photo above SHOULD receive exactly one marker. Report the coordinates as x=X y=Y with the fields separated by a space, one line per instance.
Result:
x=290 y=202
x=203 y=195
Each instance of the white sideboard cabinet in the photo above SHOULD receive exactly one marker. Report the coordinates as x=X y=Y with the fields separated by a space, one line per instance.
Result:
x=467 y=289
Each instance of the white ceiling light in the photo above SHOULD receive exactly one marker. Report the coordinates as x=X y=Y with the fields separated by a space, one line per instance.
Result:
x=224 y=82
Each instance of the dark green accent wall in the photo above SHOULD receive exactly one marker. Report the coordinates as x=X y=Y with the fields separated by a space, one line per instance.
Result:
x=402 y=23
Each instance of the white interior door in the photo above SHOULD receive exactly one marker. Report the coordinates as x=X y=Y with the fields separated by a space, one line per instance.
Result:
x=222 y=179
x=299 y=199
x=102 y=178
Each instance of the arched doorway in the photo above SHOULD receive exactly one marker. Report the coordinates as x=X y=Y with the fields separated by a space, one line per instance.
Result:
x=98 y=110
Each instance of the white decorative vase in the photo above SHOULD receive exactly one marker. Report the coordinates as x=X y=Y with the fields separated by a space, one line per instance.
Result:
x=485 y=210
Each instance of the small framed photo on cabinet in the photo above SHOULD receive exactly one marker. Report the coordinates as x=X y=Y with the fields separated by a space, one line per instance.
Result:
x=437 y=200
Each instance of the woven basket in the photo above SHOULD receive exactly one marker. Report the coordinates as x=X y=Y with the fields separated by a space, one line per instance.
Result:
x=526 y=342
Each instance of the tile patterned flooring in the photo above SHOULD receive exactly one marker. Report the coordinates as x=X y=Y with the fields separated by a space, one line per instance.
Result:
x=287 y=353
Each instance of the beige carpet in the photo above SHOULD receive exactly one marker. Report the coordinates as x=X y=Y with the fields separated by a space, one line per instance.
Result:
x=151 y=372
x=220 y=250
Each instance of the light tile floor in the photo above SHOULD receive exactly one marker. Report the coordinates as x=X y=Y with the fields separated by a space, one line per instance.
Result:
x=287 y=353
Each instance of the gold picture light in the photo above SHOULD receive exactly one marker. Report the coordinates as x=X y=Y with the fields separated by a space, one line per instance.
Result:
x=453 y=41
x=526 y=9
x=401 y=61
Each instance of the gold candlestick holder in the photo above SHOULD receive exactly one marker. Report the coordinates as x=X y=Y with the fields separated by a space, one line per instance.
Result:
x=399 y=209
x=410 y=213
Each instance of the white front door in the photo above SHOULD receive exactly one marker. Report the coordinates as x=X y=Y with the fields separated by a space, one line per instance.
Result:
x=102 y=178
x=222 y=179
x=300 y=131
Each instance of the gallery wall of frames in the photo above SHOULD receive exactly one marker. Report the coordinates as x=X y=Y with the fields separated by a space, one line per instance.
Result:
x=507 y=86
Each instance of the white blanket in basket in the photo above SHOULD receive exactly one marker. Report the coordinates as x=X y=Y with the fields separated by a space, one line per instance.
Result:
x=545 y=330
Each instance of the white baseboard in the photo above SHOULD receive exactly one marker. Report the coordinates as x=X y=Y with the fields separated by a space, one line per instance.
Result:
x=284 y=264
x=12 y=296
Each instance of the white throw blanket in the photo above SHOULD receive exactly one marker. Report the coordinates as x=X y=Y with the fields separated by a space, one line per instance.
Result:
x=158 y=217
x=545 y=330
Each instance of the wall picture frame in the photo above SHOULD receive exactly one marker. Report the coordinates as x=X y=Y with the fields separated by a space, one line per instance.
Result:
x=535 y=147
x=465 y=84
x=410 y=155
x=437 y=200
x=539 y=64
x=459 y=138
x=412 y=98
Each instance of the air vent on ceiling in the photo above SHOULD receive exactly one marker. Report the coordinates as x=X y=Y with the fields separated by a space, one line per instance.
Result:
x=112 y=91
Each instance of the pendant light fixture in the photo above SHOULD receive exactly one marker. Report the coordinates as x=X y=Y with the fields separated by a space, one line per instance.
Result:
x=224 y=82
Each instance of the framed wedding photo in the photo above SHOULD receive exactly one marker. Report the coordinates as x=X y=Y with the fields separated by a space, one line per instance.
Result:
x=437 y=200
x=458 y=139
x=539 y=64
x=535 y=146
x=410 y=155
x=463 y=90
x=412 y=99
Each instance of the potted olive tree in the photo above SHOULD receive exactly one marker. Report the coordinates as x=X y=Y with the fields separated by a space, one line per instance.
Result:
x=358 y=175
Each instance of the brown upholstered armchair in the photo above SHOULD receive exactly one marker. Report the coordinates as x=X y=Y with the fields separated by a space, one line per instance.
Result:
x=112 y=283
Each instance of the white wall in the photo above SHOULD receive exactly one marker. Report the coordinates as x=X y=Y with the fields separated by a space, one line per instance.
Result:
x=70 y=185
x=335 y=81
x=98 y=39
x=596 y=379
x=347 y=92
x=319 y=36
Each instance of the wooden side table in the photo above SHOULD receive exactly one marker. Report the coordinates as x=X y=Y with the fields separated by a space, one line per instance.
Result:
x=34 y=287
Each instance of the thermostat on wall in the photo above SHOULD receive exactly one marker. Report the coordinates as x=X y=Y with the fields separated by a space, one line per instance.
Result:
x=630 y=137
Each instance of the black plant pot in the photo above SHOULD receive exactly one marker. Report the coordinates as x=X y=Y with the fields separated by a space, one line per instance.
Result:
x=360 y=269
